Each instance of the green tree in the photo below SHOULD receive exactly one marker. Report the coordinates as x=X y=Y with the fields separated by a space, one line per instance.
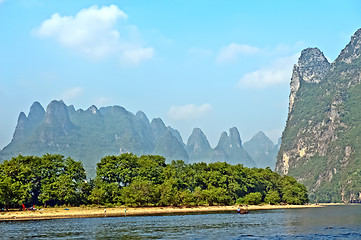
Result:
x=49 y=179
x=166 y=192
x=61 y=181
x=272 y=197
x=98 y=194
x=292 y=191
x=15 y=182
x=139 y=193
x=254 y=198
x=215 y=195
x=118 y=169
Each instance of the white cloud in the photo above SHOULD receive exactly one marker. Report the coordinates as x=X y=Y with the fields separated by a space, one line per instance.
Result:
x=189 y=112
x=233 y=50
x=278 y=72
x=102 y=101
x=93 y=31
x=71 y=93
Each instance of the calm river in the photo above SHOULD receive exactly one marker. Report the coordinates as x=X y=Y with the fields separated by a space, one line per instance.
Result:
x=332 y=222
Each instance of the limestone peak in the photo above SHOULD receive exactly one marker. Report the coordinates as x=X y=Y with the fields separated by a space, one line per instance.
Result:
x=312 y=65
x=353 y=50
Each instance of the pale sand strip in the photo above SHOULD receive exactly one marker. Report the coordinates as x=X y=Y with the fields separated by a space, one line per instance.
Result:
x=80 y=212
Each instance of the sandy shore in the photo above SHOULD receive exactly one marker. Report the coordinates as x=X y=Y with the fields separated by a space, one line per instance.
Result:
x=85 y=212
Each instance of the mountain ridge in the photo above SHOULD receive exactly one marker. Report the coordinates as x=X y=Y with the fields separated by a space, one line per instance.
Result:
x=88 y=135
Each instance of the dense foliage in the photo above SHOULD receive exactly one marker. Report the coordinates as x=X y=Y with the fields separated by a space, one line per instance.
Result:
x=46 y=180
x=141 y=181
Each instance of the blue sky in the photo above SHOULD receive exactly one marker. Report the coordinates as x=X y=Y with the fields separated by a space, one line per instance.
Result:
x=207 y=64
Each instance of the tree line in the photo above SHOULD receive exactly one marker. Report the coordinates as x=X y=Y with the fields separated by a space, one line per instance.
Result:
x=141 y=181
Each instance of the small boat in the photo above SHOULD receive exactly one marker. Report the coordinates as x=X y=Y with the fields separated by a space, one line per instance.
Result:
x=242 y=210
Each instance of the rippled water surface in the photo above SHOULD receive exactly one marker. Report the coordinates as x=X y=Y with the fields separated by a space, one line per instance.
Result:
x=332 y=222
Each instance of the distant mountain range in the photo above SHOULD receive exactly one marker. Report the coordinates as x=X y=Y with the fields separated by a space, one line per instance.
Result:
x=89 y=135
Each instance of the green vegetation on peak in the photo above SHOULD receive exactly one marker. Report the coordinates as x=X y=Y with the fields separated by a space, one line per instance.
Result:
x=321 y=141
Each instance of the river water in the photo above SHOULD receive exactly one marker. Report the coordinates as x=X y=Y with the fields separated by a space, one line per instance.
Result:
x=331 y=222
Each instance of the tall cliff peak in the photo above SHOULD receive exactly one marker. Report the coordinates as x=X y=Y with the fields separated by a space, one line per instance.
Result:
x=115 y=110
x=158 y=127
x=231 y=141
x=320 y=144
x=158 y=123
x=22 y=117
x=93 y=110
x=223 y=140
x=260 y=136
x=313 y=65
x=294 y=86
x=262 y=150
x=57 y=118
x=353 y=50
x=176 y=134
x=36 y=113
x=21 y=127
x=196 y=133
x=198 y=147
x=71 y=109
x=198 y=140
x=235 y=138
x=230 y=147
x=56 y=110
x=169 y=146
x=141 y=116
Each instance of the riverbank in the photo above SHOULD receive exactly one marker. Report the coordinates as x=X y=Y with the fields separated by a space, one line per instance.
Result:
x=89 y=212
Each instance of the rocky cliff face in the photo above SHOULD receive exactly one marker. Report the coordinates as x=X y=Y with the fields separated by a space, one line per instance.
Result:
x=320 y=141
x=352 y=51
x=311 y=68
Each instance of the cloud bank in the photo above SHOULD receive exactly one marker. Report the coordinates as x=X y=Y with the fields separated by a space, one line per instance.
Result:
x=278 y=72
x=189 y=112
x=94 y=32
x=103 y=101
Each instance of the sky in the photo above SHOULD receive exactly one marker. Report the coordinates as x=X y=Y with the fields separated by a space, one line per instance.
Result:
x=207 y=64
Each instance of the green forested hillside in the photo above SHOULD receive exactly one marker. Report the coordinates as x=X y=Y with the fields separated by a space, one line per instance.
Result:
x=321 y=141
